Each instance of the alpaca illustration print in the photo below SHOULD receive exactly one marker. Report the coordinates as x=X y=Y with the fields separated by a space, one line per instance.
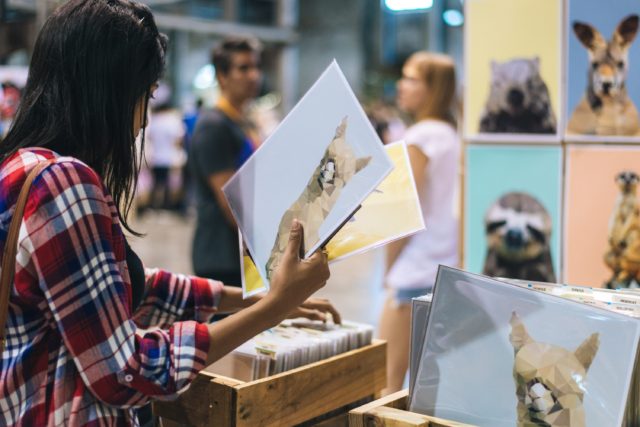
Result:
x=550 y=380
x=336 y=168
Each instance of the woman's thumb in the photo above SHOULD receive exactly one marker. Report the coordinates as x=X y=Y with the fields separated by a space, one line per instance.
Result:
x=295 y=240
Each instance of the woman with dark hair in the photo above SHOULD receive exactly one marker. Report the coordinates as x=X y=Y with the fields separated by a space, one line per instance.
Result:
x=75 y=352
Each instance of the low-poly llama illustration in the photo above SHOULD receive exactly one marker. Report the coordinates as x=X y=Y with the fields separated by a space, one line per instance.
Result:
x=336 y=168
x=550 y=380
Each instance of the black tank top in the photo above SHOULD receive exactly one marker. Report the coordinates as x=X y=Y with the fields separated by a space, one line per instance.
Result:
x=136 y=274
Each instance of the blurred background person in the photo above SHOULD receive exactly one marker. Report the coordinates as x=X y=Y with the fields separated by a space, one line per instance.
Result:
x=12 y=82
x=264 y=114
x=385 y=121
x=9 y=100
x=166 y=156
x=426 y=92
x=190 y=118
x=223 y=140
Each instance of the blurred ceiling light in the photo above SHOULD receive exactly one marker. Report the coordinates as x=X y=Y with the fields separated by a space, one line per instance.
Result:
x=408 y=5
x=453 y=18
x=205 y=78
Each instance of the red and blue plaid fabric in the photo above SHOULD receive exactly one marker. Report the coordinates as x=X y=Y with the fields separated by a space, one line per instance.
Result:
x=75 y=354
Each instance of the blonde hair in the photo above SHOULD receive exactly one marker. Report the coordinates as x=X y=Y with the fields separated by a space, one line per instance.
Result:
x=438 y=72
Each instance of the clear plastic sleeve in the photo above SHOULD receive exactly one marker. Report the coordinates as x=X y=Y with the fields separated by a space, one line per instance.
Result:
x=497 y=354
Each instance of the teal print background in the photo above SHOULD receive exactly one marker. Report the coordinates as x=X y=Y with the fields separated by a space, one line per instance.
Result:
x=494 y=170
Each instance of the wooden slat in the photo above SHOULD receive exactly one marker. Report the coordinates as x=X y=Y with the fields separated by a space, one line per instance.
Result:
x=189 y=411
x=338 y=417
x=338 y=421
x=206 y=402
x=223 y=402
x=390 y=411
x=395 y=400
x=168 y=423
x=285 y=399
x=439 y=422
x=307 y=392
x=392 y=417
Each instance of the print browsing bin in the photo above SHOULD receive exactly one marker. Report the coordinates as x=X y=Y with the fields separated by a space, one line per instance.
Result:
x=391 y=411
x=290 y=398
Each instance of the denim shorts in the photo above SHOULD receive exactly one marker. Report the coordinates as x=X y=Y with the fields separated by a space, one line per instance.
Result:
x=404 y=296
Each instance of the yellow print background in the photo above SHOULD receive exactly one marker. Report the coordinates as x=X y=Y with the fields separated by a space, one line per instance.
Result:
x=505 y=29
x=390 y=212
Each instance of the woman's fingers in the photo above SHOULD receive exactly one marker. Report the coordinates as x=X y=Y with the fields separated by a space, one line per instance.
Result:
x=318 y=262
x=308 y=313
x=324 y=306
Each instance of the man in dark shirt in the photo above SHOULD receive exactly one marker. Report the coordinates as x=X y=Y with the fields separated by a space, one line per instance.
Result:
x=222 y=141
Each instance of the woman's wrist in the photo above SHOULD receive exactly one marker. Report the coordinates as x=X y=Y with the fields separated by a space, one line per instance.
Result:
x=272 y=307
x=232 y=301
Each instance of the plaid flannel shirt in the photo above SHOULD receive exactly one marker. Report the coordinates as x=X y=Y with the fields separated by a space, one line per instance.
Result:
x=76 y=354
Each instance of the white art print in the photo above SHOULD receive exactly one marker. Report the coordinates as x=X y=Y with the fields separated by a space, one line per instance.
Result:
x=496 y=354
x=318 y=166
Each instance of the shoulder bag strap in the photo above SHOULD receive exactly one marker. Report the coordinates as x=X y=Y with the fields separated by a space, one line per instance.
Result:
x=11 y=247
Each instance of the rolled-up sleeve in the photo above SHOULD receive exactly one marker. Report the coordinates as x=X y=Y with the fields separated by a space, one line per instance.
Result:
x=69 y=230
x=172 y=297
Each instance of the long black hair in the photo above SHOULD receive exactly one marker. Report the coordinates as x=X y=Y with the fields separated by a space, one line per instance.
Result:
x=93 y=62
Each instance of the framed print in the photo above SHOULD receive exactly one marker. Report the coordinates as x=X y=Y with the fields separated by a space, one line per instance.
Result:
x=603 y=56
x=513 y=69
x=601 y=239
x=512 y=211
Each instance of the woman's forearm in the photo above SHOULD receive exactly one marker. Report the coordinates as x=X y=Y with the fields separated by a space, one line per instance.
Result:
x=232 y=331
x=293 y=282
x=231 y=300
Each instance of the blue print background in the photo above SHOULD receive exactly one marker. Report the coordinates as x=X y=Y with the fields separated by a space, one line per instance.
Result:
x=605 y=17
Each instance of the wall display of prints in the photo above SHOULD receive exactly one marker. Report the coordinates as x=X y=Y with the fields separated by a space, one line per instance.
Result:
x=567 y=212
x=513 y=68
x=500 y=355
x=603 y=58
x=513 y=211
x=602 y=223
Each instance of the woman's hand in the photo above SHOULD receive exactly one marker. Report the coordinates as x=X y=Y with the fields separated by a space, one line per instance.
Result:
x=293 y=282
x=316 y=309
x=295 y=279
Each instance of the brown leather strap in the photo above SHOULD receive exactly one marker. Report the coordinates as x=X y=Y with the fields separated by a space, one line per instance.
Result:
x=11 y=247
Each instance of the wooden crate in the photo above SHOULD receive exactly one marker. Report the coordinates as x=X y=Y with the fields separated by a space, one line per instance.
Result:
x=286 y=399
x=390 y=411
